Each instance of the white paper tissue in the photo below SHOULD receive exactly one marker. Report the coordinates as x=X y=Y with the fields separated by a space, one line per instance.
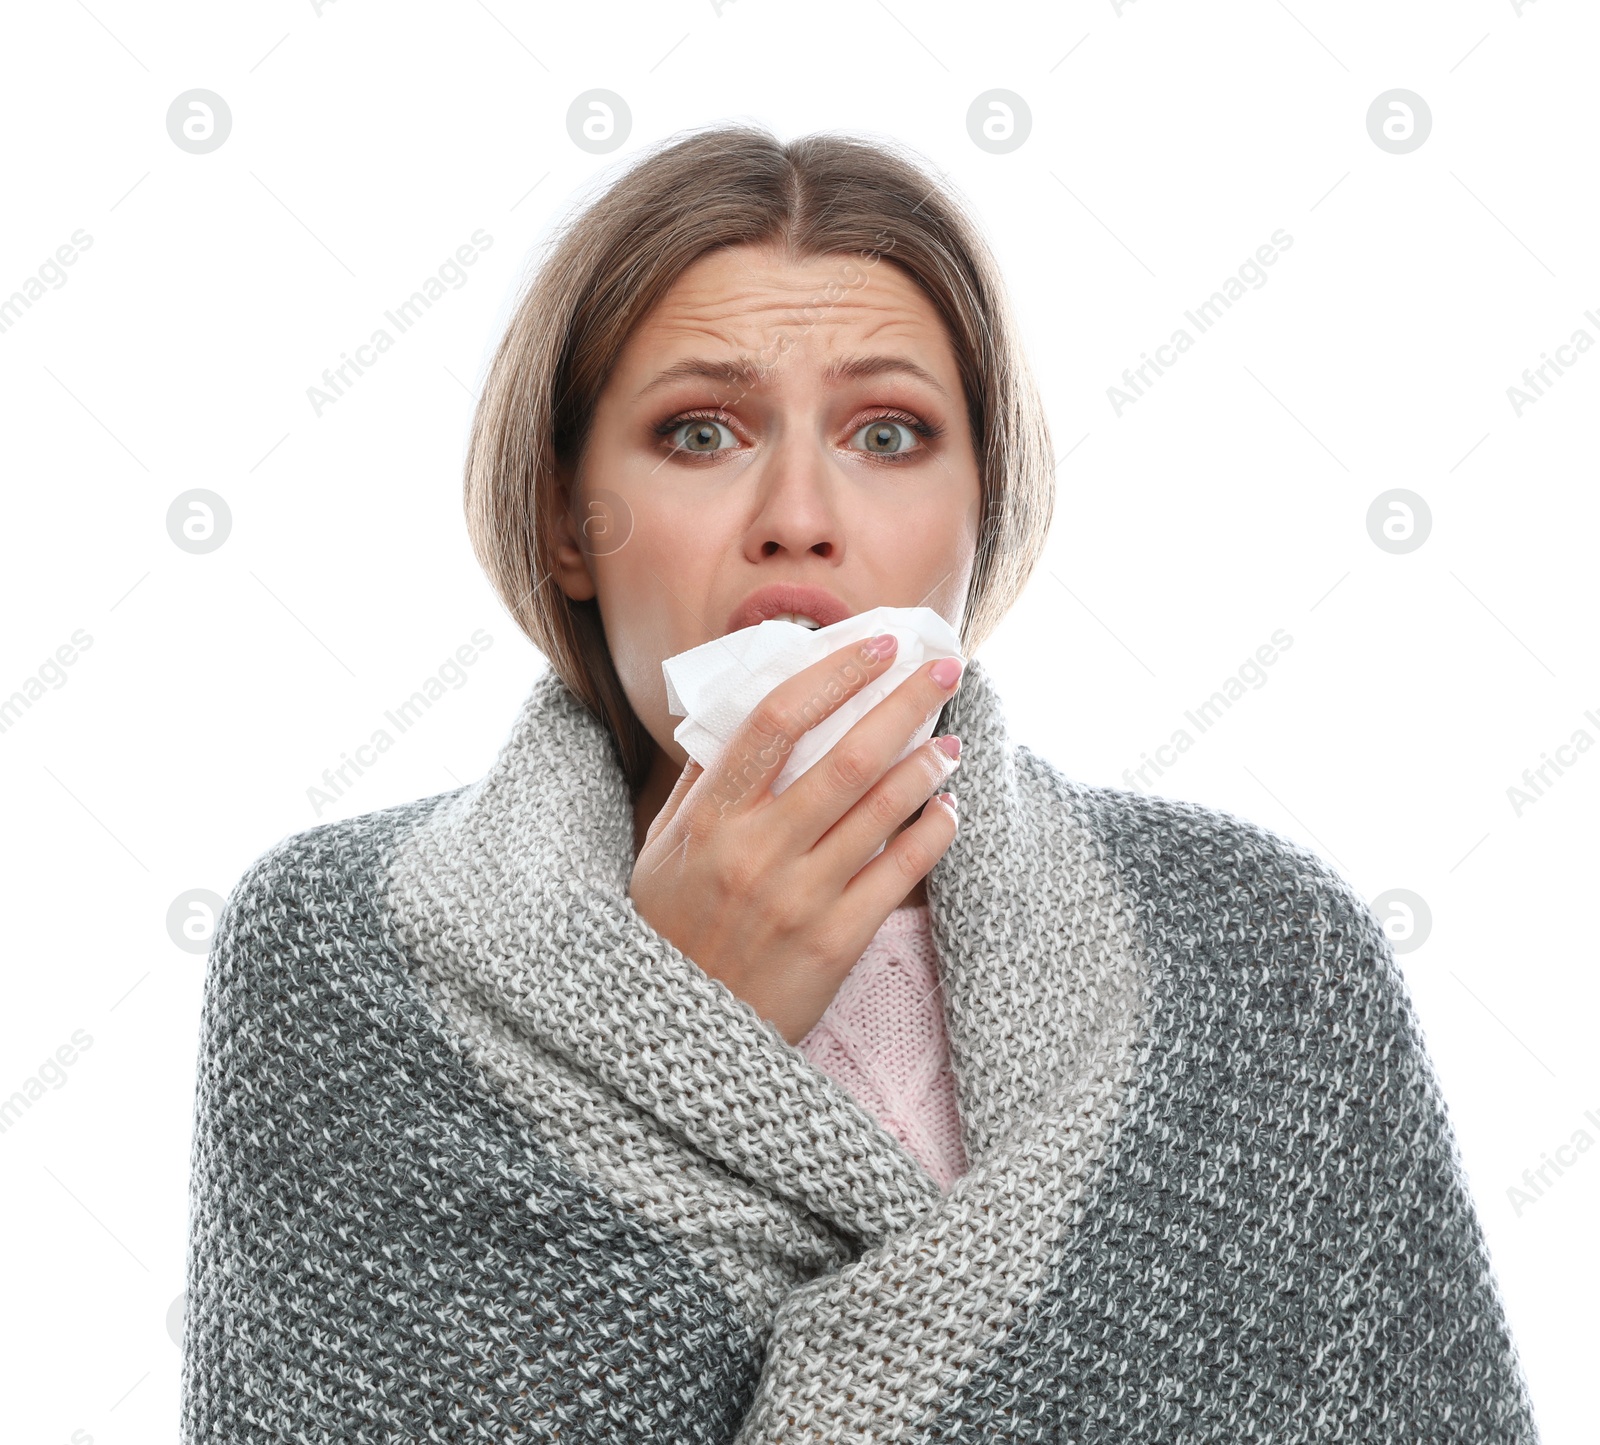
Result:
x=716 y=686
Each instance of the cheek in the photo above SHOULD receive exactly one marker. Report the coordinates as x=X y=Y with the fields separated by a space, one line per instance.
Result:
x=671 y=541
x=917 y=552
x=634 y=610
x=655 y=580
x=940 y=524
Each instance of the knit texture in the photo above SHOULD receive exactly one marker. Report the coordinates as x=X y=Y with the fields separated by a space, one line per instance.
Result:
x=479 y=1156
x=882 y=1037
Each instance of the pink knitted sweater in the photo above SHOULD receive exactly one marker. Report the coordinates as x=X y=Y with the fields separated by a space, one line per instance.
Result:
x=882 y=1039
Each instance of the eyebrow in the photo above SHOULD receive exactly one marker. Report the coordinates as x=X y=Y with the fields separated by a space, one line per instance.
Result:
x=743 y=371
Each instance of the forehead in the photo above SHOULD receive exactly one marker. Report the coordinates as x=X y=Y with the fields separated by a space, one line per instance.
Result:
x=744 y=298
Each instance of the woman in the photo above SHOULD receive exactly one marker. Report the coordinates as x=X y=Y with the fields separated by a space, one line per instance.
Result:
x=550 y=1108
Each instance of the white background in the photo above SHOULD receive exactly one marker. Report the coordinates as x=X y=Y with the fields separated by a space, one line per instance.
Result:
x=1167 y=143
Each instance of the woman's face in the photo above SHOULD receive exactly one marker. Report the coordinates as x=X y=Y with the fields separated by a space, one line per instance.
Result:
x=771 y=423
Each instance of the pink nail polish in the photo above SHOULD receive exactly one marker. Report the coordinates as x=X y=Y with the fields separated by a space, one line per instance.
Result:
x=950 y=745
x=946 y=671
x=884 y=644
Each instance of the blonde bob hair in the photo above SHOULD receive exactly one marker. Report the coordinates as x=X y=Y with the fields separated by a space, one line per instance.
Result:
x=614 y=259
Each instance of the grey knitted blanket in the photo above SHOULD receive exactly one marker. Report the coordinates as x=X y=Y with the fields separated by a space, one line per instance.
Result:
x=479 y=1156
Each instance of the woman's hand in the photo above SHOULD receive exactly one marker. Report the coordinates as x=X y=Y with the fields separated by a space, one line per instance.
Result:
x=775 y=896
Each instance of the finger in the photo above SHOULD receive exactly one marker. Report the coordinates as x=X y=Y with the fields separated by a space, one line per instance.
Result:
x=758 y=750
x=844 y=774
x=852 y=842
x=880 y=887
x=680 y=790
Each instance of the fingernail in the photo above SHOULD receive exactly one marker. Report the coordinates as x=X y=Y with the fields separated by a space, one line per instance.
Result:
x=946 y=672
x=949 y=800
x=883 y=645
x=949 y=744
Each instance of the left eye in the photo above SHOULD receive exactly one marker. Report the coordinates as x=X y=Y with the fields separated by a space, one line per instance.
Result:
x=701 y=434
x=885 y=435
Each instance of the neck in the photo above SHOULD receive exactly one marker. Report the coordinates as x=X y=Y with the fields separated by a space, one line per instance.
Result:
x=657 y=789
x=653 y=796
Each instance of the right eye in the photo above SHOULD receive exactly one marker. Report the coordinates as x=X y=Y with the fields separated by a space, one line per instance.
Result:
x=701 y=434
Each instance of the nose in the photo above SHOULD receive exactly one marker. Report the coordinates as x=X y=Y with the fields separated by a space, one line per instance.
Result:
x=796 y=508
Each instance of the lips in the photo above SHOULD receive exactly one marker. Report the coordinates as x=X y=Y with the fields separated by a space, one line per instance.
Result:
x=768 y=602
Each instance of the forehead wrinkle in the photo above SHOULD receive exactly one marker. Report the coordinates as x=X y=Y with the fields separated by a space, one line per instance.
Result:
x=743 y=370
x=686 y=314
x=745 y=321
x=906 y=325
x=907 y=317
x=715 y=297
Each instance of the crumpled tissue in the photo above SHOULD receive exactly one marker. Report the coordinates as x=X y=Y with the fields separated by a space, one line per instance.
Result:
x=716 y=686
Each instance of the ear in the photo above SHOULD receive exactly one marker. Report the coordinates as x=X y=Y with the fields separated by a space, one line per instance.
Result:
x=571 y=567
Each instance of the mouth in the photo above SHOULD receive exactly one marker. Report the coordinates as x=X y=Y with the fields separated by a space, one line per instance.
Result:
x=812 y=607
